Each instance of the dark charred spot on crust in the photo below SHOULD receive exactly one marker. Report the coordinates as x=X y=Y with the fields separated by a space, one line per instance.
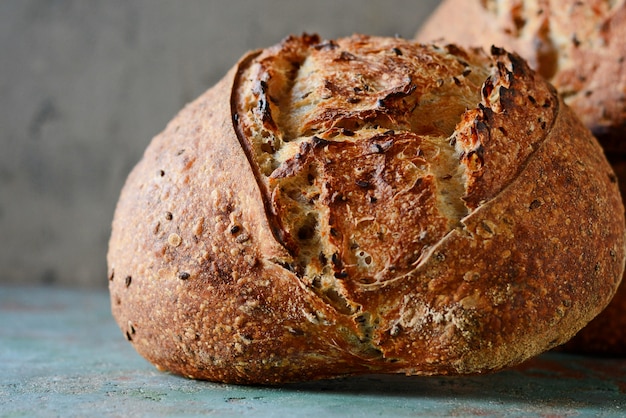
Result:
x=295 y=331
x=483 y=132
x=264 y=109
x=496 y=51
x=487 y=88
x=363 y=184
x=475 y=158
x=341 y=274
x=319 y=142
x=339 y=198
x=518 y=65
x=287 y=266
x=346 y=56
x=408 y=89
x=456 y=50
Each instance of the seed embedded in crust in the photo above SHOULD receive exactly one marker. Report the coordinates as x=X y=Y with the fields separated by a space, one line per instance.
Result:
x=174 y=240
x=128 y=280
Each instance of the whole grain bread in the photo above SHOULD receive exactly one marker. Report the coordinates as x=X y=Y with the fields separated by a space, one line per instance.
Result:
x=365 y=205
x=580 y=46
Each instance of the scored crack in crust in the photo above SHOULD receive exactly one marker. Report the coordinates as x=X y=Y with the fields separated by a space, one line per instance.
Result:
x=365 y=205
x=359 y=156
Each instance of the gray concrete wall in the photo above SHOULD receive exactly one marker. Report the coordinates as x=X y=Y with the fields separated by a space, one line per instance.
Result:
x=84 y=85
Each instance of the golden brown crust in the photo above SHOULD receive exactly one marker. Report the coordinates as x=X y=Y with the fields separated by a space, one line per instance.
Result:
x=579 y=46
x=605 y=334
x=365 y=205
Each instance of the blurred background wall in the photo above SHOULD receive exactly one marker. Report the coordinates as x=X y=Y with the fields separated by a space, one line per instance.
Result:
x=85 y=85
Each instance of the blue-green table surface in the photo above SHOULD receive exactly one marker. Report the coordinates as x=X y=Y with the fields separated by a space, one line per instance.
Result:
x=61 y=354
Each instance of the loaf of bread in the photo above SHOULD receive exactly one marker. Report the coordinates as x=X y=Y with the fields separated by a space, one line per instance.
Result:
x=580 y=46
x=365 y=205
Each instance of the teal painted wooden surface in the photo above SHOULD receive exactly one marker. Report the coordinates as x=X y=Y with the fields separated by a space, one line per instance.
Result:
x=61 y=354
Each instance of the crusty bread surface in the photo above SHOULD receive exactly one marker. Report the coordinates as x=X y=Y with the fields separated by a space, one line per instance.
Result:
x=365 y=205
x=580 y=46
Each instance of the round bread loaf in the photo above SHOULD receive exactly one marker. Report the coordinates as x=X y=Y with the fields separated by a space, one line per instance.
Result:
x=365 y=205
x=580 y=46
